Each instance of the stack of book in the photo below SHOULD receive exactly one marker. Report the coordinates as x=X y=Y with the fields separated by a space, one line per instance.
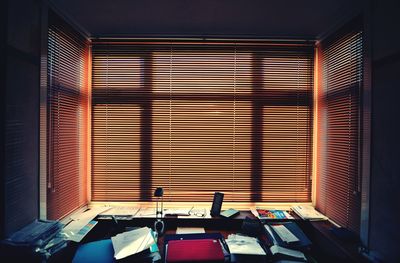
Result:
x=271 y=214
x=308 y=212
x=288 y=241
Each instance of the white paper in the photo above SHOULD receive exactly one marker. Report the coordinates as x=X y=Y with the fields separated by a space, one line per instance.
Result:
x=190 y=230
x=288 y=216
x=178 y=212
x=149 y=212
x=89 y=214
x=244 y=245
x=285 y=251
x=81 y=224
x=121 y=211
x=308 y=212
x=254 y=212
x=132 y=242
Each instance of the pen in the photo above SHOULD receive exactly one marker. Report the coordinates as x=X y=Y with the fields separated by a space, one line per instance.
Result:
x=190 y=210
x=224 y=244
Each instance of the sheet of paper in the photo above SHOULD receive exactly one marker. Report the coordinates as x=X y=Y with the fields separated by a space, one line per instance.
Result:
x=149 y=212
x=254 y=212
x=288 y=216
x=244 y=245
x=190 y=230
x=89 y=214
x=178 y=212
x=132 y=242
x=81 y=224
x=121 y=211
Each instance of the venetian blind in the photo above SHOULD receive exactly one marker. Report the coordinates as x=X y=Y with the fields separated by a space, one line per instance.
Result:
x=338 y=193
x=195 y=118
x=67 y=118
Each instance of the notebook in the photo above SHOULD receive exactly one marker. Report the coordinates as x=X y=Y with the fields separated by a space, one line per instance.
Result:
x=302 y=243
x=199 y=250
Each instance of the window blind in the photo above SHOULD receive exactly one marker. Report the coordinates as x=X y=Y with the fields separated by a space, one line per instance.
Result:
x=67 y=118
x=196 y=118
x=338 y=188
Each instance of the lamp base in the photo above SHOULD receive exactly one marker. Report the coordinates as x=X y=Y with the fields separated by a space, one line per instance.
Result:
x=159 y=227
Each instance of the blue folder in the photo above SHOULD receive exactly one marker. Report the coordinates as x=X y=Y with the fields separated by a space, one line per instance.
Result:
x=101 y=251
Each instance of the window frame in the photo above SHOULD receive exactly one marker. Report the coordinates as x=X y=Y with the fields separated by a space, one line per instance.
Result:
x=310 y=103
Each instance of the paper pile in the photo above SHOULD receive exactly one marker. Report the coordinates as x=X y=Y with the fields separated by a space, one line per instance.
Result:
x=239 y=244
x=308 y=212
x=286 y=253
x=40 y=237
x=133 y=242
x=81 y=224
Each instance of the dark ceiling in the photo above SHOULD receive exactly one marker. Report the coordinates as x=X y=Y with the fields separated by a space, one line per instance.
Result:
x=303 y=19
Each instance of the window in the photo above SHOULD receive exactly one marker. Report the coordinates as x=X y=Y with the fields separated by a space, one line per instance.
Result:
x=196 y=118
x=338 y=187
x=67 y=119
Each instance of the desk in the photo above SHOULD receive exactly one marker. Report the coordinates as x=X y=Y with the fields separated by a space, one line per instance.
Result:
x=326 y=248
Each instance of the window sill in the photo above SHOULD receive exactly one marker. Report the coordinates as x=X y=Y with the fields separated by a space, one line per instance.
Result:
x=207 y=205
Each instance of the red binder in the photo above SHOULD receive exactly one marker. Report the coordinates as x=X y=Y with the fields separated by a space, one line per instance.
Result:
x=199 y=250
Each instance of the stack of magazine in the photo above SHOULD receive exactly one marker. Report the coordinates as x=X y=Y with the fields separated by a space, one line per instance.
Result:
x=40 y=238
x=288 y=241
x=271 y=214
x=308 y=212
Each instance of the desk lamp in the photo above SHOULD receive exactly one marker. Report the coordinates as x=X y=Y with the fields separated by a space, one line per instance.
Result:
x=159 y=224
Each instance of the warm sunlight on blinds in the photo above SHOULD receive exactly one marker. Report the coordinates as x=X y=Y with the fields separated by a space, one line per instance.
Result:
x=199 y=118
x=67 y=69
x=338 y=188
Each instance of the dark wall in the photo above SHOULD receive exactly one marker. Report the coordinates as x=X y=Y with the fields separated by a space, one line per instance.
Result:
x=385 y=158
x=20 y=177
x=3 y=48
x=255 y=18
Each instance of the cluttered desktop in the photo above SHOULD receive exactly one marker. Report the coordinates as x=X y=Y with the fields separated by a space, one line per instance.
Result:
x=123 y=233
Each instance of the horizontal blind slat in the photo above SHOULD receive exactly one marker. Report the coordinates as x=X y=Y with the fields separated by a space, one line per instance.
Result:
x=338 y=195
x=190 y=123
x=66 y=135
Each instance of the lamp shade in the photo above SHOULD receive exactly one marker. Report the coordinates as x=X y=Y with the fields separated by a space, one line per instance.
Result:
x=159 y=192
